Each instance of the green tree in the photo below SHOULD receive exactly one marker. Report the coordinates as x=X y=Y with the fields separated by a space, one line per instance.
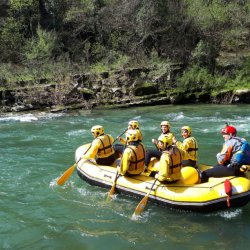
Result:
x=12 y=41
x=40 y=48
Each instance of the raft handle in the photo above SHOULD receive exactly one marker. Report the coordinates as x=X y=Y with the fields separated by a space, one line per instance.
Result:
x=110 y=177
x=148 y=188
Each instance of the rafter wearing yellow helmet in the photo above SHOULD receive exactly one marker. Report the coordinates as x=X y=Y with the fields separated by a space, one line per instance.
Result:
x=165 y=129
x=101 y=148
x=132 y=125
x=170 y=161
x=190 y=145
x=132 y=160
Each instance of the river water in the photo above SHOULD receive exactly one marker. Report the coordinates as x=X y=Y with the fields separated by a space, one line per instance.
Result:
x=36 y=148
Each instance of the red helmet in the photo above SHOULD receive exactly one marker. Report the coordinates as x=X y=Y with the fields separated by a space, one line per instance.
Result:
x=229 y=130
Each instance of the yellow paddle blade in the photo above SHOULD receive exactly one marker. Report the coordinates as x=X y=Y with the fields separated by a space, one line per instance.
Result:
x=111 y=192
x=140 y=207
x=66 y=175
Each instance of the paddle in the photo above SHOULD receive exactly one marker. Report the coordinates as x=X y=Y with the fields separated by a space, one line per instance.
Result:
x=69 y=171
x=112 y=190
x=67 y=174
x=120 y=135
x=140 y=207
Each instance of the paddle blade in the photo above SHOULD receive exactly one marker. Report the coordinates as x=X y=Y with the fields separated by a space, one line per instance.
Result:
x=141 y=206
x=66 y=175
x=111 y=192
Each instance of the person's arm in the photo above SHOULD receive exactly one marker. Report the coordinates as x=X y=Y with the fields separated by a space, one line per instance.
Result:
x=184 y=154
x=183 y=145
x=92 y=152
x=225 y=153
x=164 y=168
x=122 y=141
x=174 y=140
x=125 y=161
x=154 y=141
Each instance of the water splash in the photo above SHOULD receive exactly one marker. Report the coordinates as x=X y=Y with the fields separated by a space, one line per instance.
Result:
x=20 y=118
x=229 y=215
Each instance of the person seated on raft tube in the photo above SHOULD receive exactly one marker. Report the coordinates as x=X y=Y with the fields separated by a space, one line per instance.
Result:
x=190 y=145
x=165 y=129
x=132 y=160
x=170 y=161
x=131 y=125
x=227 y=165
x=101 y=148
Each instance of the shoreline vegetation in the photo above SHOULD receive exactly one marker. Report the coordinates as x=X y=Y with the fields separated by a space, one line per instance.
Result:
x=59 y=55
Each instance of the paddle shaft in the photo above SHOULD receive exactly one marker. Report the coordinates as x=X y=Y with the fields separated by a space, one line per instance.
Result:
x=112 y=190
x=151 y=187
x=120 y=135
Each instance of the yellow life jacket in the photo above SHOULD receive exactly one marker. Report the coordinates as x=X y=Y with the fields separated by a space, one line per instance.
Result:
x=106 y=148
x=190 y=145
x=192 y=150
x=137 y=158
x=170 y=165
x=168 y=135
x=175 y=162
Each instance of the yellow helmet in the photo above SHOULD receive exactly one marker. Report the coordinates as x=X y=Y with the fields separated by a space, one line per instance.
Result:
x=165 y=123
x=97 y=130
x=134 y=124
x=189 y=130
x=167 y=140
x=131 y=135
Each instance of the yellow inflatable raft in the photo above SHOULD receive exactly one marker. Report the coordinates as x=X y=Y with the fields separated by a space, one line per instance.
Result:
x=205 y=197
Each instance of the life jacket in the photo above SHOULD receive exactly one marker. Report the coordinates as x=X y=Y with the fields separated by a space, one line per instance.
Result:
x=168 y=135
x=106 y=148
x=228 y=155
x=137 y=158
x=235 y=150
x=193 y=148
x=175 y=162
x=243 y=155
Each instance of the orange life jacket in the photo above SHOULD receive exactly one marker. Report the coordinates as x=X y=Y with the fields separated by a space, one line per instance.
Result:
x=137 y=159
x=175 y=162
x=106 y=148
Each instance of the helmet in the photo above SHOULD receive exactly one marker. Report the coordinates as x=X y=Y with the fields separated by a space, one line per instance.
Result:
x=229 y=130
x=189 y=130
x=165 y=123
x=134 y=124
x=167 y=140
x=97 y=130
x=131 y=135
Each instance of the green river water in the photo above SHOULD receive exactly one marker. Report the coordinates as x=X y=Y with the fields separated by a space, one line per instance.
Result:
x=36 y=148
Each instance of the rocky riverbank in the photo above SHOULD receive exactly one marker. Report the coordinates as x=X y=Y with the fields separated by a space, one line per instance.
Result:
x=123 y=88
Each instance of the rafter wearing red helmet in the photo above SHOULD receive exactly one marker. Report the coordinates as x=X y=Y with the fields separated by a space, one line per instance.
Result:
x=227 y=158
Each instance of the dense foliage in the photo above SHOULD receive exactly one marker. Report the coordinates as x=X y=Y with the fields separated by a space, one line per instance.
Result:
x=50 y=38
